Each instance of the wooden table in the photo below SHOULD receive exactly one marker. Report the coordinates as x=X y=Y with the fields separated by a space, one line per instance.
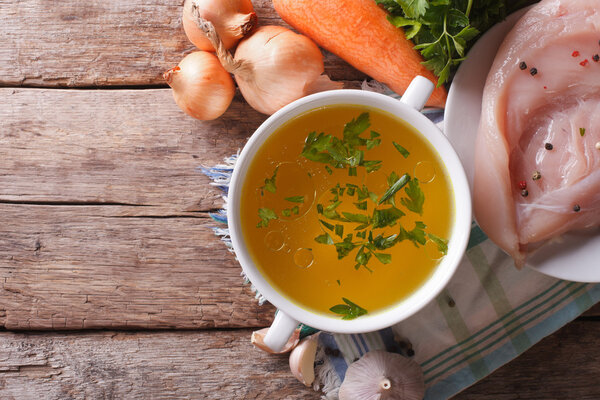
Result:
x=113 y=284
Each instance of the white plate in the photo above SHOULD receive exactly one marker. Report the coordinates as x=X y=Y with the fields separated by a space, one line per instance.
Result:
x=575 y=257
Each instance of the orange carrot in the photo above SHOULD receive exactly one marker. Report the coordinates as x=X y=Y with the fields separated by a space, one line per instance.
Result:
x=358 y=31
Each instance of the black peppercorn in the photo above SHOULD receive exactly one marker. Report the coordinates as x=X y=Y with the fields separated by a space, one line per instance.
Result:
x=524 y=193
x=533 y=71
x=576 y=208
x=523 y=65
x=548 y=146
x=596 y=57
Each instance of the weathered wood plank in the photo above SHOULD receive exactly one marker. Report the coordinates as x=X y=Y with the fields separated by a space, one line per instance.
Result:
x=115 y=365
x=74 y=267
x=562 y=366
x=103 y=43
x=223 y=365
x=113 y=146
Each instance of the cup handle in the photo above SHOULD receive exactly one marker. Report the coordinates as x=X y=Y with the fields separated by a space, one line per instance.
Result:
x=280 y=331
x=418 y=92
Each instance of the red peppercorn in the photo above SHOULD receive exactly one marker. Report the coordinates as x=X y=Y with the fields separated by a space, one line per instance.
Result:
x=522 y=185
x=575 y=54
x=584 y=63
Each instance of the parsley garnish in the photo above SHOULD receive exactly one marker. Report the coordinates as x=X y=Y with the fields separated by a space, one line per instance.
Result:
x=399 y=184
x=401 y=149
x=345 y=152
x=349 y=310
x=364 y=241
x=444 y=30
x=582 y=131
x=324 y=239
x=416 y=198
x=270 y=183
x=442 y=244
x=295 y=199
x=417 y=235
x=266 y=215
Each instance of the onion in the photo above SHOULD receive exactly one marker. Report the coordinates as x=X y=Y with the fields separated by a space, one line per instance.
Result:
x=201 y=86
x=232 y=20
x=273 y=67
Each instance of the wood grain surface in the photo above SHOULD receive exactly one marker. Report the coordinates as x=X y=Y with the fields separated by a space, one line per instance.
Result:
x=208 y=365
x=104 y=43
x=223 y=365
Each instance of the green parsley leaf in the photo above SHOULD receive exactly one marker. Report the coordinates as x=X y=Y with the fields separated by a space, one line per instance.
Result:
x=350 y=189
x=381 y=242
x=372 y=165
x=360 y=218
x=371 y=143
x=354 y=128
x=296 y=210
x=415 y=199
x=386 y=217
x=414 y=8
x=295 y=199
x=327 y=225
x=270 y=182
x=349 y=310
x=362 y=257
x=345 y=247
x=417 y=235
x=383 y=258
x=363 y=193
x=324 y=239
x=582 y=131
x=403 y=180
x=266 y=215
x=442 y=244
x=286 y=212
x=401 y=150
x=361 y=206
x=339 y=230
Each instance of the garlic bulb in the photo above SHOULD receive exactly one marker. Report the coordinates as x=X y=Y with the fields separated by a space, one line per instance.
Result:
x=380 y=375
x=201 y=86
x=273 y=67
x=258 y=337
x=302 y=359
x=232 y=19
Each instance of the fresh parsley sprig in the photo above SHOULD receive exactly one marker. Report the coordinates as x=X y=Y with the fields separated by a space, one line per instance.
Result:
x=349 y=310
x=443 y=30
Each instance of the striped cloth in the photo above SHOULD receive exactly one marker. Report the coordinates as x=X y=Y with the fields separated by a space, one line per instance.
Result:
x=489 y=313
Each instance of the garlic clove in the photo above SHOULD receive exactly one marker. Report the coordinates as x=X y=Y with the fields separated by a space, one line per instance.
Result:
x=257 y=339
x=302 y=360
x=380 y=375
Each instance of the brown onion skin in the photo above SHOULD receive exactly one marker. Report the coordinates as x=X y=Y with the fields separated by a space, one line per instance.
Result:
x=231 y=23
x=201 y=86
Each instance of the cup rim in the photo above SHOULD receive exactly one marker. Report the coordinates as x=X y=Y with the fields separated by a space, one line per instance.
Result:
x=460 y=230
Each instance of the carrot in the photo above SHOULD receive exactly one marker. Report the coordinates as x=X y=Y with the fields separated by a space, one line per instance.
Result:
x=358 y=31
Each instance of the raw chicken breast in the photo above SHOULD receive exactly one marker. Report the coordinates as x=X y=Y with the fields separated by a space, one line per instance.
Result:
x=543 y=117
